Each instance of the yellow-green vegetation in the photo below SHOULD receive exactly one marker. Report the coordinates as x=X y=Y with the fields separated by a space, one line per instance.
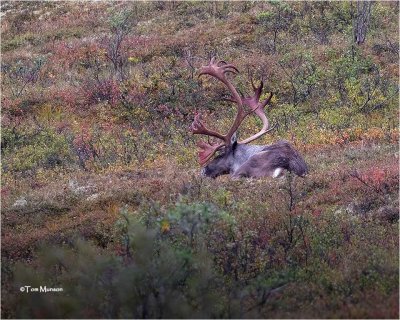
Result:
x=101 y=193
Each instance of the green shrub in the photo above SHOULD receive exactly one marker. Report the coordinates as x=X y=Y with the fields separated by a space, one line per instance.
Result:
x=31 y=150
x=153 y=279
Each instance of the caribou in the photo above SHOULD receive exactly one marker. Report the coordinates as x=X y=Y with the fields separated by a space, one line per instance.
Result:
x=239 y=158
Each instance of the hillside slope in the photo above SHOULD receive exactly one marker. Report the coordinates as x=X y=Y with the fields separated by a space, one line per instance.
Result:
x=100 y=180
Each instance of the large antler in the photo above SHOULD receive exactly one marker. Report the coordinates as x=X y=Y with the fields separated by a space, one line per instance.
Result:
x=258 y=106
x=219 y=70
x=206 y=149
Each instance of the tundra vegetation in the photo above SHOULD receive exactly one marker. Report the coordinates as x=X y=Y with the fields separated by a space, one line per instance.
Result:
x=101 y=192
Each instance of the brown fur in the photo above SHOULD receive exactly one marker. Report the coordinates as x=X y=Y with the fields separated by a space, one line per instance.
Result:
x=279 y=155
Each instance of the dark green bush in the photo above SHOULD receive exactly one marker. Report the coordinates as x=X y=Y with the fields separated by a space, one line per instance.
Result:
x=30 y=150
x=156 y=277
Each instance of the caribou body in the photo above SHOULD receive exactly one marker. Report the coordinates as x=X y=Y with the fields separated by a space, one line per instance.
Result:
x=256 y=161
x=239 y=159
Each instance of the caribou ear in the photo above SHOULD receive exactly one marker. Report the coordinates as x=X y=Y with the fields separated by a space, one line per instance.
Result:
x=234 y=142
x=234 y=139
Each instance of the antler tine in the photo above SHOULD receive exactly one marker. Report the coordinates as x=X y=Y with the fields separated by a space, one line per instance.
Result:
x=198 y=127
x=219 y=70
x=257 y=90
x=207 y=150
x=258 y=109
x=257 y=106
x=267 y=100
x=230 y=68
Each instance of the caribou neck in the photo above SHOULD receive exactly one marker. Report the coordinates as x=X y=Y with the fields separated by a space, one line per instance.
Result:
x=243 y=152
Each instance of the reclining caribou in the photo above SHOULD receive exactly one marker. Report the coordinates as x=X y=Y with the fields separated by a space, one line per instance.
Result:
x=238 y=158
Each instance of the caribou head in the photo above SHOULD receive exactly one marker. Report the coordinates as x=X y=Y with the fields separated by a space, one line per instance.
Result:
x=238 y=158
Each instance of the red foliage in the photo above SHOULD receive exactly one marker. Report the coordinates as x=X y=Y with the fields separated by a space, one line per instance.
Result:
x=65 y=54
x=84 y=137
x=84 y=145
x=316 y=212
x=67 y=96
x=11 y=107
x=138 y=45
x=62 y=126
x=105 y=90
x=5 y=192
x=374 y=176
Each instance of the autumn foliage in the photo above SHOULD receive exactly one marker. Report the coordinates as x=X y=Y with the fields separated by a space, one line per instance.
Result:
x=101 y=192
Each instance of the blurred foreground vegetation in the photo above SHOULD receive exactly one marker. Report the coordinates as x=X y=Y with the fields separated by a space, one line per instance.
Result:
x=196 y=260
